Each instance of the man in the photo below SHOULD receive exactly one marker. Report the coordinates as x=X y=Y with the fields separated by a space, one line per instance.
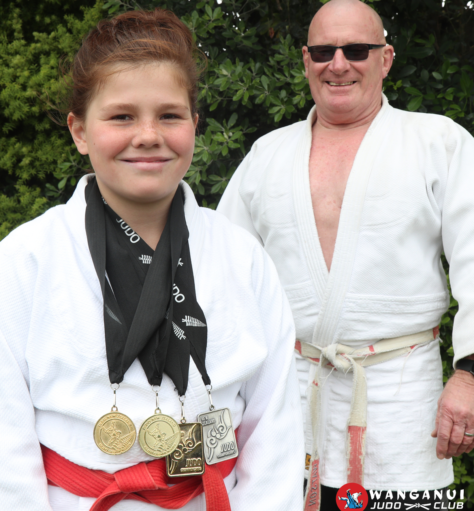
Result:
x=355 y=206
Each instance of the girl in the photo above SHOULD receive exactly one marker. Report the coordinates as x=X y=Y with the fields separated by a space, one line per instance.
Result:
x=131 y=298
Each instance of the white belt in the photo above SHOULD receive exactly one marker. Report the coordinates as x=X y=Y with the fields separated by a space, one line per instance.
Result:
x=346 y=358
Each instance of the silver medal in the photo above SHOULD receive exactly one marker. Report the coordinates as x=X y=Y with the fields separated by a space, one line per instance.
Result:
x=218 y=436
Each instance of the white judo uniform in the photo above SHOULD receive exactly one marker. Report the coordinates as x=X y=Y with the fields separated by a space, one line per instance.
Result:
x=54 y=381
x=409 y=197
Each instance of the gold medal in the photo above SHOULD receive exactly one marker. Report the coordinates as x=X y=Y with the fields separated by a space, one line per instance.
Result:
x=188 y=458
x=159 y=435
x=114 y=433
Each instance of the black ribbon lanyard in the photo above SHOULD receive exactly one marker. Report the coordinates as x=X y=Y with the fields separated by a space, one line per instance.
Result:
x=150 y=305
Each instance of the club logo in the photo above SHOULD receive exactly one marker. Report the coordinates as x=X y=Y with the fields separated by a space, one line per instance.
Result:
x=411 y=500
x=352 y=496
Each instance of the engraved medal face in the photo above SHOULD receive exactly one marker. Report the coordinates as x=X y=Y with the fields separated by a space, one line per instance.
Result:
x=187 y=459
x=218 y=436
x=114 y=433
x=159 y=435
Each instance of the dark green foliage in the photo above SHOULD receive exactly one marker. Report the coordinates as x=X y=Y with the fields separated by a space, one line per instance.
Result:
x=254 y=84
x=33 y=37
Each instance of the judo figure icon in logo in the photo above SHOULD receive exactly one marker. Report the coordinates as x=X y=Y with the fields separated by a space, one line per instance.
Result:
x=352 y=496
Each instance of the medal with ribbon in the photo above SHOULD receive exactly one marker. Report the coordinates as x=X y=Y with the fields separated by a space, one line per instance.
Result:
x=151 y=313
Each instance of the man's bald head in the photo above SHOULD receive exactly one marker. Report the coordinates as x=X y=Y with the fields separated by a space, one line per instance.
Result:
x=345 y=7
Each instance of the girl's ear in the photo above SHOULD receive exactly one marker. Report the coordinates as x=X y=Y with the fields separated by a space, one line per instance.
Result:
x=196 y=120
x=78 y=133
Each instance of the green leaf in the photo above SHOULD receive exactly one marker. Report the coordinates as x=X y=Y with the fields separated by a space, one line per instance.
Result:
x=239 y=94
x=420 y=53
x=466 y=83
x=413 y=91
x=232 y=120
x=406 y=71
x=278 y=117
x=415 y=103
x=437 y=75
x=215 y=125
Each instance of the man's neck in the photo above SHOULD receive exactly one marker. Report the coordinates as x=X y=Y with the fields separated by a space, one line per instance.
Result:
x=335 y=122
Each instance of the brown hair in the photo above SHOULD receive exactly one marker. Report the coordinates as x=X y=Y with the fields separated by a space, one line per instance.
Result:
x=133 y=39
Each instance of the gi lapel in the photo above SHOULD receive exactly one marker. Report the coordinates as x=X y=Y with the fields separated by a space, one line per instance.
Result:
x=332 y=286
x=304 y=210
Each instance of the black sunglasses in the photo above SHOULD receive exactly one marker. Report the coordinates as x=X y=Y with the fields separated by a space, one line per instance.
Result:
x=326 y=52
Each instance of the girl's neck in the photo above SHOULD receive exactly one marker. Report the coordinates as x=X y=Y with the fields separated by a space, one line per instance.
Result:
x=148 y=220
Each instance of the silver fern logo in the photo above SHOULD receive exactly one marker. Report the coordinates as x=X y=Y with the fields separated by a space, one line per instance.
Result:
x=145 y=259
x=190 y=321
x=179 y=332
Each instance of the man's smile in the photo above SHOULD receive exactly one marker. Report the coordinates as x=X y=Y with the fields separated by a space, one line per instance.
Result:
x=343 y=84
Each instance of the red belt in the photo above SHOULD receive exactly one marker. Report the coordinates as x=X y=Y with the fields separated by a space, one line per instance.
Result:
x=145 y=482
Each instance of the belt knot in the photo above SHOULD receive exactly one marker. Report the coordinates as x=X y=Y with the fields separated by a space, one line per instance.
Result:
x=135 y=479
x=335 y=356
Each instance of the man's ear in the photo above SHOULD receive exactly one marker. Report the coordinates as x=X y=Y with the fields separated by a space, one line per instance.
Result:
x=388 y=54
x=78 y=133
x=306 y=60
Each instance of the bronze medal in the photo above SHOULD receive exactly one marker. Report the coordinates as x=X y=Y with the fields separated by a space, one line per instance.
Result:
x=159 y=435
x=114 y=433
x=188 y=458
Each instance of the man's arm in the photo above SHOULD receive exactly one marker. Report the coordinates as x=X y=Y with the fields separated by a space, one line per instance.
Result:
x=455 y=414
x=231 y=204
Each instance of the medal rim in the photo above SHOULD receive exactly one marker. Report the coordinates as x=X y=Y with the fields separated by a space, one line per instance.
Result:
x=148 y=450
x=127 y=421
x=216 y=461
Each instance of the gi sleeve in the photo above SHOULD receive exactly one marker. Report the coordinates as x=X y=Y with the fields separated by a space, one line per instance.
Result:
x=232 y=205
x=458 y=234
x=23 y=484
x=270 y=469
